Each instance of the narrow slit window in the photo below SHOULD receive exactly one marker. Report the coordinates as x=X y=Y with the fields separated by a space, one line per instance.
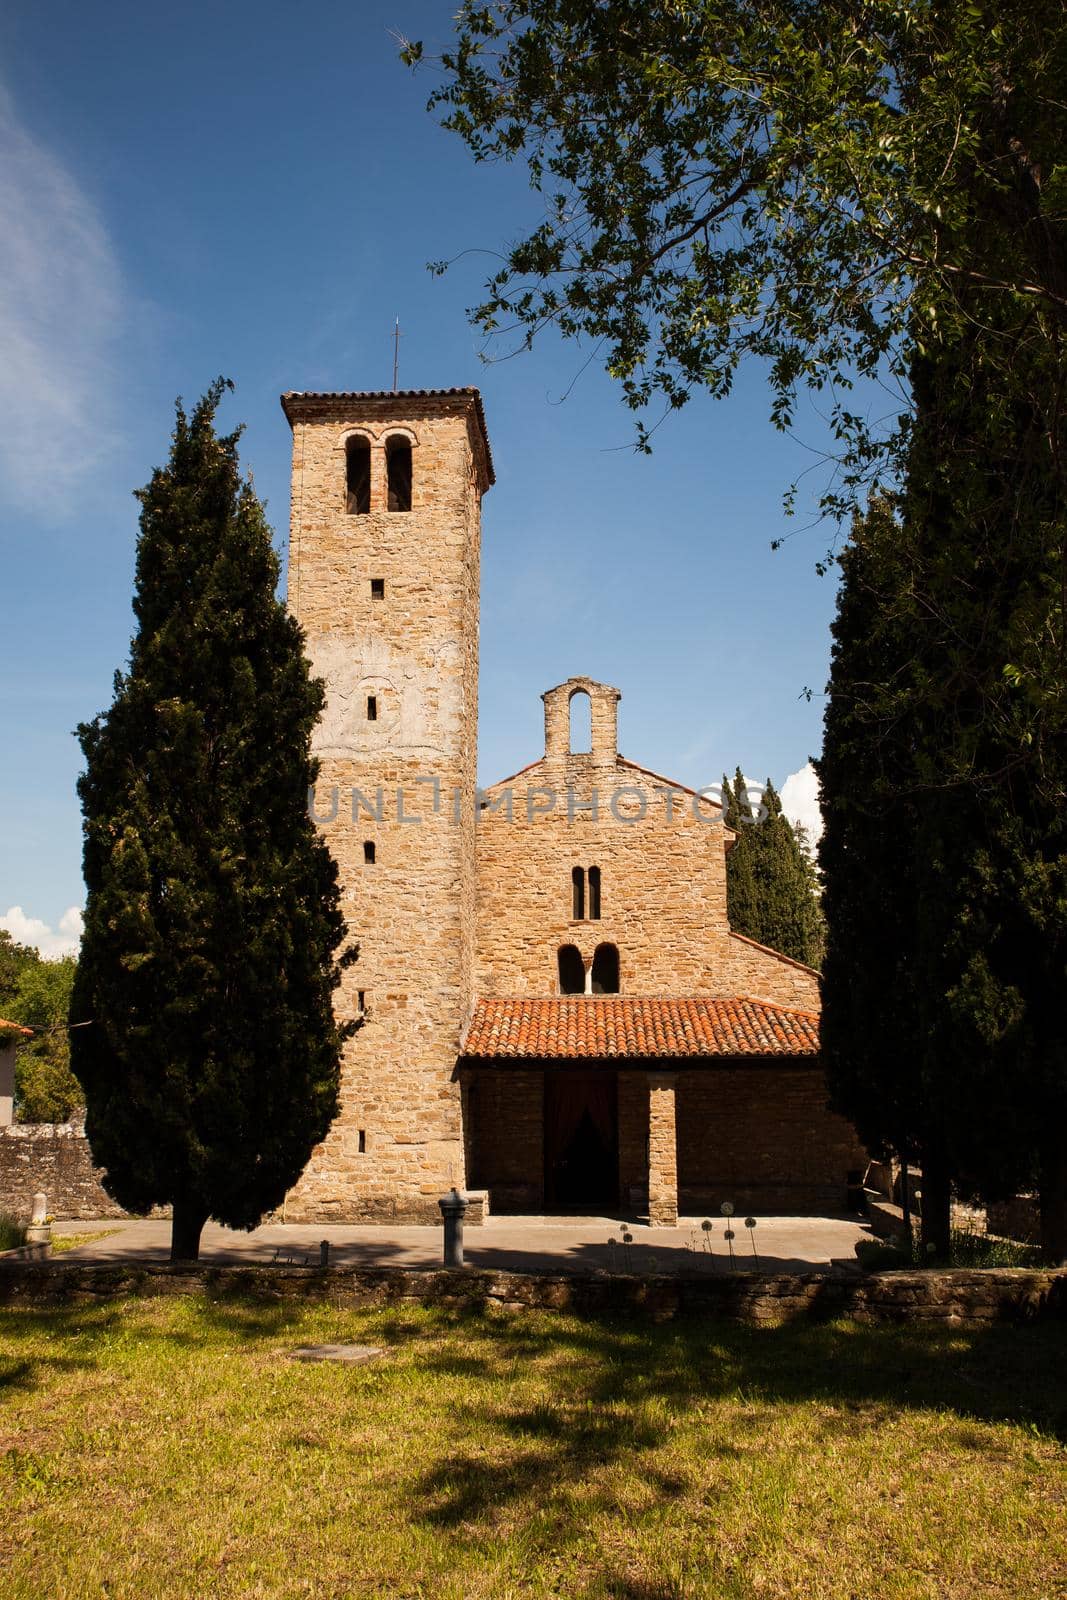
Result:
x=594 y=894
x=369 y=852
x=357 y=476
x=362 y=1002
x=571 y=970
x=606 y=969
x=578 y=894
x=377 y=588
x=363 y=1141
x=372 y=708
x=398 y=474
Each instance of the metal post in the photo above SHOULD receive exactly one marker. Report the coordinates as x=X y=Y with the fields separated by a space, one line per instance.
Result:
x=324 y=1253
x=453 y=1210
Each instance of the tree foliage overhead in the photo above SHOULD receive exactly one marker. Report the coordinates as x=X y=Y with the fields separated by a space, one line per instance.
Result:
x=36 y=993
x=213 y=919
x=772 y=890
x=821 y=185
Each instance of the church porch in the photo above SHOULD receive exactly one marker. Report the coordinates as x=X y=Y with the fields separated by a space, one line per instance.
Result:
x=651 y=1135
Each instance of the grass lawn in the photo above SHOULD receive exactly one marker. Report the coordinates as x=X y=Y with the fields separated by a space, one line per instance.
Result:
x=170 y=1448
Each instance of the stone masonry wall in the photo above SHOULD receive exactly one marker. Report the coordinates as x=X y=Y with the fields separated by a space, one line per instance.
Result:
x=955 y=1299
x=661 y=854
x=663 y=883
x=397 y=1144
x=752 y=969
x=762 y=1137
x=53 y=1158
x=758 y=1135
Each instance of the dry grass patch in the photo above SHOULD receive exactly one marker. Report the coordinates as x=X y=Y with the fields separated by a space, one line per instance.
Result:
x=171 y=1448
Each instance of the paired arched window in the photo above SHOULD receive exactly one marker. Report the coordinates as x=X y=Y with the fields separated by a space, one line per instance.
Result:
x=357 y=474
x=585 y=894
x=358 y=469
x=571 y=970
x=398 y=473
x=605 y=969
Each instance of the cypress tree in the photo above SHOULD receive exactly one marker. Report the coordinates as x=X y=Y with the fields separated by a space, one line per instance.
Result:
x=213 y=920
x=772 y=891
x=871 y=1036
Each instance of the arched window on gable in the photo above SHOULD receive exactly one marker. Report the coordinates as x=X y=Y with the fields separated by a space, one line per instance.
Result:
x=606 y=969
x=398 y=472
x=578 y=893
x=581 y=719
x=571 y=970
x=357 y=474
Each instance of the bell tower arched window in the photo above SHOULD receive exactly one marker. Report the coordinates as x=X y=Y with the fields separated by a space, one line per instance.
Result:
x=581 y=723
x=578 y=894
x=357 y=475
x=398 y=473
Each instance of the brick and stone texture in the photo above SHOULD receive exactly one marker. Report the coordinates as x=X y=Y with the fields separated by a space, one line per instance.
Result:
x=661 y=852
x=762 y=1137
x=662 y=1151
x=759 y=1135
x=397 y=1143
x=53 y=1158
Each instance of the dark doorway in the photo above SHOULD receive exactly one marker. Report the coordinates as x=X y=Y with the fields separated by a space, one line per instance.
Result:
x=581 y=1140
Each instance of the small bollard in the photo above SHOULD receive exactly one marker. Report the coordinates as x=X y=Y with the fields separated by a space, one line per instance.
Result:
x=40 y=1229
x=324 y=1253
x=453 y=1209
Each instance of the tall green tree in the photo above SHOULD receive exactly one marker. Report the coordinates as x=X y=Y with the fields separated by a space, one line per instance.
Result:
x=36 y=993
x=794 y=180
x=772 y=889
x=943 y=777
x=873 y=1042
x=213 y=922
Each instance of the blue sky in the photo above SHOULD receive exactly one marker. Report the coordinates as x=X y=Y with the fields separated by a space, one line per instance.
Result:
x=255 y=190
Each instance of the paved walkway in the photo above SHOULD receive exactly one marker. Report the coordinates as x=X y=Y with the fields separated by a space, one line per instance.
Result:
x=518 y=1244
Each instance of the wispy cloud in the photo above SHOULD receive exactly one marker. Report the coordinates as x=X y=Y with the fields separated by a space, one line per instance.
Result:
x=60 y=298
x=800 y=802
x=49 y=942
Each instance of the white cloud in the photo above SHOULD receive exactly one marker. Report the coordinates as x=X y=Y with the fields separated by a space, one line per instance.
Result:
x=800 y=802
x=60 y=299
x=49 y=942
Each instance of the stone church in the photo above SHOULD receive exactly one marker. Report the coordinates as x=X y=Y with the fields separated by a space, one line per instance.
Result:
x=556 y=1015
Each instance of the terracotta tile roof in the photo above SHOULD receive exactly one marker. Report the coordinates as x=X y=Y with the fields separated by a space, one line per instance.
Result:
x=636 y=1026
x=15 y=1027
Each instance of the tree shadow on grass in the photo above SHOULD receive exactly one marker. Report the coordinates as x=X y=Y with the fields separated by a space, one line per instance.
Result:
x=619 y=1385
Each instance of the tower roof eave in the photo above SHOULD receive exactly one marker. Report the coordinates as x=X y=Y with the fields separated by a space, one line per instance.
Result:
x=301 y=404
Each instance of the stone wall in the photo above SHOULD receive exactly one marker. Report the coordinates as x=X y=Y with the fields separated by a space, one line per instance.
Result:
x=661 y=854
x=663 y=882
x=954 y=1299
x=53 y=1158
x=762 y=1136
x=759 y=1135
x=398 y=1142
x=754 y=970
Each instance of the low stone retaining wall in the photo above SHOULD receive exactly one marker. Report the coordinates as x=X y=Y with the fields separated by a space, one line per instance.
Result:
x=53 y=1158
x=957 y=1298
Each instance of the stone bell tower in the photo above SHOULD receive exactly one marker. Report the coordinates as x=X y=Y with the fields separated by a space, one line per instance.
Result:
x=384 y=578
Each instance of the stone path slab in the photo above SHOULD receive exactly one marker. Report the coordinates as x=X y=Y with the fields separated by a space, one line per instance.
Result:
x=512 y=1244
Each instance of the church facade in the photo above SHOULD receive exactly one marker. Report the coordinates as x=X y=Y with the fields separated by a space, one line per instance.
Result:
x=556 y=1014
